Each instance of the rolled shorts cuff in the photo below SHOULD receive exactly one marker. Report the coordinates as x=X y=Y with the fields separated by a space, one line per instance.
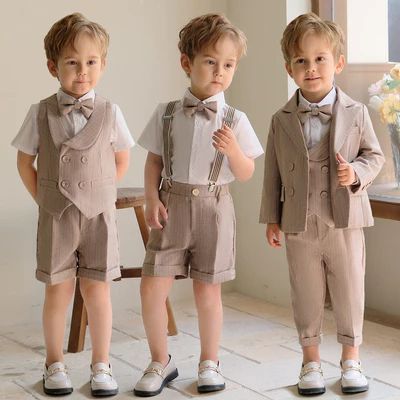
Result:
x=53 y=279
x=103 y=276
x=310 y=341
x=221 y=277
x=349 y=341
x=179 y=271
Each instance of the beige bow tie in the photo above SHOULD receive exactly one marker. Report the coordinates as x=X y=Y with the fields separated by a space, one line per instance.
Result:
x=86 y=107
x=324 y=112
x=190 y=107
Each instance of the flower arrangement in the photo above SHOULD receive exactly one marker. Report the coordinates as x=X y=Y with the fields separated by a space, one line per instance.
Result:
x=385 y=98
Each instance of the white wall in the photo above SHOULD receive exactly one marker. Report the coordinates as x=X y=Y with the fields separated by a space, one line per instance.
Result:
x=143 y=69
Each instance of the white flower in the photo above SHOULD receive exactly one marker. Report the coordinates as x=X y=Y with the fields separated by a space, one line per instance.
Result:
x=375 y=88
x=375 y=102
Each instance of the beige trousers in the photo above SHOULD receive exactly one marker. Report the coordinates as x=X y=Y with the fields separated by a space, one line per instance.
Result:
x=319 y=257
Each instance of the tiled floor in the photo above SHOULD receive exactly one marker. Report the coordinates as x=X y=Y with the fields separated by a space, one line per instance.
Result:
x=260 y=356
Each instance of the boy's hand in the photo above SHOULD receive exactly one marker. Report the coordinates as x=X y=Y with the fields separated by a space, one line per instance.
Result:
x=155 y=213
x=345 y=171
x=225 y=141
x=273 y=235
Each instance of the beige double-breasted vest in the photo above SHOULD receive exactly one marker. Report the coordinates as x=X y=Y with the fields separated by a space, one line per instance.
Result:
x=79 y=170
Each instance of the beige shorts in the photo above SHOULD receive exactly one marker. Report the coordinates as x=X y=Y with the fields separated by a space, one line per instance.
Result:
x=198 y=240
x=77 y=246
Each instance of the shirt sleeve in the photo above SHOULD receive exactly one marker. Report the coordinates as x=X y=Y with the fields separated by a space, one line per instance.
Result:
x=247 y=138
x=121 y=137
x=27 y=139
x=151 y=138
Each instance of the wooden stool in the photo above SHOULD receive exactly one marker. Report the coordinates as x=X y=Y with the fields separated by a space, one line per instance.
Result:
x=126 y=197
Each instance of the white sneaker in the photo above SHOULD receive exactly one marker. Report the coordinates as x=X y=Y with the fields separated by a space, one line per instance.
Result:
x=209 y=377
x=56 y=380
x=353 y=380
x=311 y=380
x=102 y=382
x=154 y=378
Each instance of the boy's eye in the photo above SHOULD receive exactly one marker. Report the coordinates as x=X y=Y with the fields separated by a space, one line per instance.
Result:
x=92 y=62
x=229 y=66
x=210 y=62
x=320 y=59
x=71 y=62
x=300 y=61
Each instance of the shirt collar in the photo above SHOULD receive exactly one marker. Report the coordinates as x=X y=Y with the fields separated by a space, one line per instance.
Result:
x=63 y=97
x=330 y=98
x=219 y=98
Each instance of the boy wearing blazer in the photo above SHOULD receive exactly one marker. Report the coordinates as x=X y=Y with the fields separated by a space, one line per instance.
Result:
x=322 y=154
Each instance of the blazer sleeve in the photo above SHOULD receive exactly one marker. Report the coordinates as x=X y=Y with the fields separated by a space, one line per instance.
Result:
x=271 y=206
x=370 y=158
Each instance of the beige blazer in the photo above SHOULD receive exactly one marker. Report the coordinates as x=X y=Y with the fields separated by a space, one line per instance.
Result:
x=285 y=189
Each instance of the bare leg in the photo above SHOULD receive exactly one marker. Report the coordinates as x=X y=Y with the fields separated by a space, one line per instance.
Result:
x=350 y=352
x=210 y=315
x=310 y=353
x=154 y=292
x=56 y=302
x=96 y=296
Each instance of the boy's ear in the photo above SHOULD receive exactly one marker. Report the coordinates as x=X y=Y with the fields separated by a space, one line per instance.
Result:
x=185 y=63
x=340 y=64
x=103 y=63
x=52 y=67
x=289 y=69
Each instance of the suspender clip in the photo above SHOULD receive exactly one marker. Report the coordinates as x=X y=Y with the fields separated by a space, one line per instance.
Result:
x=211 y=186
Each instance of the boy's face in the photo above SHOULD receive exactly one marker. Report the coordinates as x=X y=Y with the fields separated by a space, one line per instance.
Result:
x=79 y=67
x=212 y=69
x=314 y=67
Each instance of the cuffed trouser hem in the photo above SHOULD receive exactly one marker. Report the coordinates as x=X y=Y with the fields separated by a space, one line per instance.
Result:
x=97 y=275
x=310 y=341
x=221 y=277
x=176 y=271
x=179 y=271
x=349 y=341
x=58 y=277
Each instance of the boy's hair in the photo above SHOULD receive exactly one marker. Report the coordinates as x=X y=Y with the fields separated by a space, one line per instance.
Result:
x=64 y=32
x=206 y=30
x=311 y=23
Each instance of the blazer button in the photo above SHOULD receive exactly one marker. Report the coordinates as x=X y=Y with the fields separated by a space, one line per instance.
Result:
x=324 y=194
x=81 y=185
x=291 y=166
x=325 y=169
x=65 y=159
x=291 y=192
x=84 y=159
x=195 y=192
x=65 y=184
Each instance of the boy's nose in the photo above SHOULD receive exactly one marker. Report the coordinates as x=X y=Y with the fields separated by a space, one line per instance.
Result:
x=310 y=67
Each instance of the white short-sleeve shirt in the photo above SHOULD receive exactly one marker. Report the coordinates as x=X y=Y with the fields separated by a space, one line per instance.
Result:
x=192 y=150
x=27 y=139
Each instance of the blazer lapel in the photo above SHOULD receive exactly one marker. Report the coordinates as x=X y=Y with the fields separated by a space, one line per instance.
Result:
x=342 y=121
x=291 y=124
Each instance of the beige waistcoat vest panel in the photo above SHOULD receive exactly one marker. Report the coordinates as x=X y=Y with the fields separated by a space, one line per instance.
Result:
x=79 y=171
x=319 y=196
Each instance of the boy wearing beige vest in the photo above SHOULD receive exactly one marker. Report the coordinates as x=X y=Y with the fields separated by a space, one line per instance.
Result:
x=196 y=147
x=322 y=154
x=82 y=143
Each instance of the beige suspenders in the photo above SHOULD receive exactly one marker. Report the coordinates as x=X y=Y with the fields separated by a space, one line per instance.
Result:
x=218 y=159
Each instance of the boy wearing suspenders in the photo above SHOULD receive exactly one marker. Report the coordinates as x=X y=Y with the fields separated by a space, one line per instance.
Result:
x=196 y=147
